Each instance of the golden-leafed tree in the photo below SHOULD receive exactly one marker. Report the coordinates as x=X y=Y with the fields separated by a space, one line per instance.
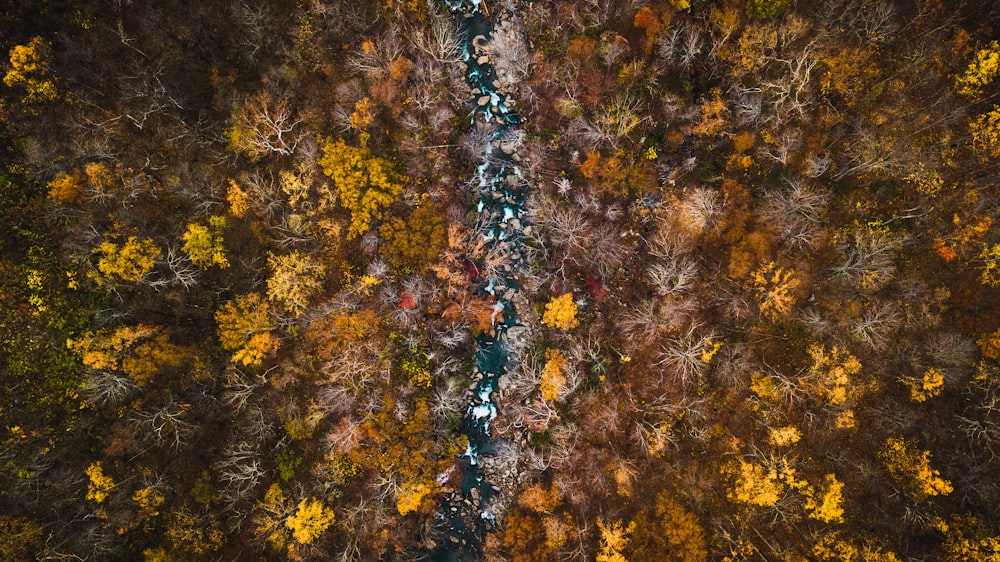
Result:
x=775 y=290
x=615 y=537
x=140 y=351
x=131 y=261
x=416 y=241
x=29 y=71
x=755 y=484
x=295 y=278
x=668 y=532
x=832 y=374
x=68 y=188
x=204 y=244
x=911 y=468
x=246 y=328
x=982 y=70
x=311 y=518
x=365 y=184
x=262 y=125
x=826 y=504
x=20 y=538
x=560 y=313
x=553 y=379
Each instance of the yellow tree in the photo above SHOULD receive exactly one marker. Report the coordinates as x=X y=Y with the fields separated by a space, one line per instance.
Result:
x=832 y=372
x=826 y=505
x=981 y=71
x=67 y=188
x=204 y=244
x=365 y=184
x=29 y=70
x=553 y=380
x=755 y=484
x=131 y=261
x=986 y=133
x=310 y=520
x=966 y=538
x=19 y=538
x=668 y=532
x=560 y=312
x=246 y=328
x=295 y=278
x=101 y=485
x=105 y=348
x=911 y=467
x=412 y=494
x=614 y=538
x=925 y=387
x=139 y=351
x=989 y=344
x=990 y=274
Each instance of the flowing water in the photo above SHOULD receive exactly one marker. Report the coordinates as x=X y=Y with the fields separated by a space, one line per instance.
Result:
x=500 y=208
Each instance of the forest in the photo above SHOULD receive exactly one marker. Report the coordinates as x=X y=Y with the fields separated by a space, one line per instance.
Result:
x=737 y=297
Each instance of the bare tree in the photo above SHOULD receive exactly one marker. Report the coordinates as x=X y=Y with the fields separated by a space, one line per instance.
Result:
x=869 y=256
x=673 y=275
x=682 y=356
x=240 y=471
x=165 y=426
x=873 y=327
x=797 y=213
x=263 y=126
x=107 y=388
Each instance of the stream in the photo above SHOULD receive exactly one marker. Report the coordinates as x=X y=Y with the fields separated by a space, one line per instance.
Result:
x=465 y=516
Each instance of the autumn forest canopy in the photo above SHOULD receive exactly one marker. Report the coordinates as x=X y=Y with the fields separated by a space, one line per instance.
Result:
x=245 y=269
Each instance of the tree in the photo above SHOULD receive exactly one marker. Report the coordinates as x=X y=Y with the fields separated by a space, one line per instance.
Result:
x=983 y=69
x=755 y=484
x=763 y=9
x=614 y=538
x=989 y=344
x=101 y=485
x=29 y=70
x=295 y=278
x=775 y=289
x=832 y=372
x=204 y=245
x=416 y=241
x=826 y=506
x=553 y=380
x=131 y=261
x=911 y=467
x=986 y=133
x=925 y=387
x=311 y=518
x=67 y=188
x=990 y=274
x=365 y=184
x=668 y=532
x=20 y=538
x=968 y=539
x=560 y=312
x=140 y=351
x=246 y=328
x=411 y=495
x=262 y=126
